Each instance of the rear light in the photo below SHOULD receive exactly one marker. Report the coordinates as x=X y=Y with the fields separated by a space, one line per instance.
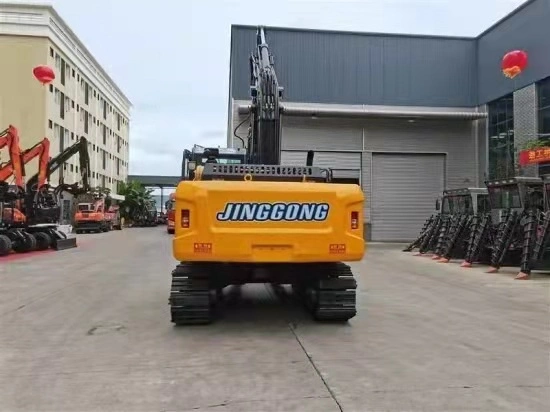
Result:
x=354 y=220
x=185 y=218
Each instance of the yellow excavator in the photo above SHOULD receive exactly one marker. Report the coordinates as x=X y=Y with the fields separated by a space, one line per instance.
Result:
x=263 y=222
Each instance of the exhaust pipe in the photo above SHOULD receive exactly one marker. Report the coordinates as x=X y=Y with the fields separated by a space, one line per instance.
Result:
x=309 y=160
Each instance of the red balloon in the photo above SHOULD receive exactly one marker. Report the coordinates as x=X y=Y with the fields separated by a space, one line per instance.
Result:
x=513 y=63
x=44 y=74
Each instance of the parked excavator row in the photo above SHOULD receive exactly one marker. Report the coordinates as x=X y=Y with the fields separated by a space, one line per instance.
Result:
x=30 y=212
x=256 y=221
x=505 y=224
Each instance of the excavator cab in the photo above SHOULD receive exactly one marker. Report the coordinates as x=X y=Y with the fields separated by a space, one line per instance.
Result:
x=199 y=156
x=546 y=183
x=515 y=194
x=466 y=201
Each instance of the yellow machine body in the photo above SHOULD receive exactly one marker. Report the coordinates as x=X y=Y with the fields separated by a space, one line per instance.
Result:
x=270 y=222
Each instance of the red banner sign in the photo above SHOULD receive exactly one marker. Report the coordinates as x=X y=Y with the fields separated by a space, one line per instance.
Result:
x=534 y=156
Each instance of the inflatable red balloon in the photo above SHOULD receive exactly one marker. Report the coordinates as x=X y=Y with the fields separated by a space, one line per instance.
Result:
x=513 y=63
x=44 y=74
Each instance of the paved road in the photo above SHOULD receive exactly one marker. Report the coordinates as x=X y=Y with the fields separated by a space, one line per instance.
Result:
x=88 y=330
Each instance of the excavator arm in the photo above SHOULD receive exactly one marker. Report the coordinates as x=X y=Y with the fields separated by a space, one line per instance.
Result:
x=38 y=194
x=264 y=143
x=10 y=138
x=46 y=169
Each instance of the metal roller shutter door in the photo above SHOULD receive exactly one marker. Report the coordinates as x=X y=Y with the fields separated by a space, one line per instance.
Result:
x=404 y=190
x=349 y=161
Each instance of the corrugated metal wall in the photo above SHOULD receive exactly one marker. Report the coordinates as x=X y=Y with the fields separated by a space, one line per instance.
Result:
x=456 y=138
x=322 y=134
x=528 y=29
x=405 y=188
x=398 y=70
x=346 y=164
x=366 y=184
x=357 y=68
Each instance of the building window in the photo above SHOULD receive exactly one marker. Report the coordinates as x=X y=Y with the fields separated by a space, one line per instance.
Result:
x=62 y=70
x=73 y=73
x=85 y=121
x=543 y=92
x=86 y=94
x=501 y=138
x=61 y=105
x=51 y=52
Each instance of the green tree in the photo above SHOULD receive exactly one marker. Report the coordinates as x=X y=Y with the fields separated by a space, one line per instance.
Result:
x=136 y=199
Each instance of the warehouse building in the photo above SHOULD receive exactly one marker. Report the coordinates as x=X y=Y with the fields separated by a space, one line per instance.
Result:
x=82 y=101
x=404 y=116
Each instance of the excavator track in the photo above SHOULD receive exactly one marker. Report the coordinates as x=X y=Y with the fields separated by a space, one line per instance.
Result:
x=190 y=298
x=332 y=296
x=328 y=291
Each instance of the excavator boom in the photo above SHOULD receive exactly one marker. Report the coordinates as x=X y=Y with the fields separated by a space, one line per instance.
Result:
x=51 y=165
x=10 y=138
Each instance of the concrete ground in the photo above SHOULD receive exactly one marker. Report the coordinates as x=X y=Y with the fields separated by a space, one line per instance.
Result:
x=88 y=329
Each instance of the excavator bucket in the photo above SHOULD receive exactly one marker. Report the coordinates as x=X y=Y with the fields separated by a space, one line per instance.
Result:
x=62 y=240
x=66 y=243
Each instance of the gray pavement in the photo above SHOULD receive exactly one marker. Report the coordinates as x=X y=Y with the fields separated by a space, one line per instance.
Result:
x=88 y=330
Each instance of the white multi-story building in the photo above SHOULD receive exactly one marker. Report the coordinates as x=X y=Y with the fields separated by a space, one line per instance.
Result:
x=82 y=100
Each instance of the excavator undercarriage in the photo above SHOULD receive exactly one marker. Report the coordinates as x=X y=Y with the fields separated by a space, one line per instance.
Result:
x=326 y=289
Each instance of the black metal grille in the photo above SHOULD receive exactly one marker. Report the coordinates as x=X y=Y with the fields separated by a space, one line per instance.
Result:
x=262 y=172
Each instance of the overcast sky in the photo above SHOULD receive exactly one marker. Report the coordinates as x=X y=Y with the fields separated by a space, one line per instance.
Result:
x=171 y=57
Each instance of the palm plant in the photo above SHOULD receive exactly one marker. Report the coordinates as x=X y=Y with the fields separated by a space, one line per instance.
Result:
x=137 y=199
